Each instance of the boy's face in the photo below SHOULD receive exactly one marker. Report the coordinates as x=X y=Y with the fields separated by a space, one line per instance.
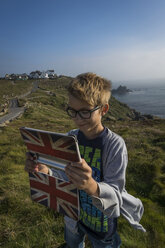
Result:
x=87 y=126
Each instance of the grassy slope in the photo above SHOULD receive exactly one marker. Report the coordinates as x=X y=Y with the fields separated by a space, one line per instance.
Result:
x=26 y=224
x=10 y=89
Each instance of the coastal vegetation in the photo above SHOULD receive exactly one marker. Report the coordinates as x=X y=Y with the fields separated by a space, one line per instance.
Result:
x=25 y=224
x=13 y=88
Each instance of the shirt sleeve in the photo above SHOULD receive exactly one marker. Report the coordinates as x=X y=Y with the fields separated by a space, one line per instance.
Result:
x=114 y=168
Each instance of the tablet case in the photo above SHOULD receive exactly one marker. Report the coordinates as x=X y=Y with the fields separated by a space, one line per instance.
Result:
x=50 y=148
x=54 y=150
x=54 y=193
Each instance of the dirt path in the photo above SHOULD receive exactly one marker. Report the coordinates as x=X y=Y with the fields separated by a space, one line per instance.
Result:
x=14 y=110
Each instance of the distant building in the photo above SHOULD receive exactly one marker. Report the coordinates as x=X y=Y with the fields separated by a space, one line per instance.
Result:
x=35 y=74
x=7 y=76
x=44 y=75
x=24 y=76
x=13 y=76
x=50 y=73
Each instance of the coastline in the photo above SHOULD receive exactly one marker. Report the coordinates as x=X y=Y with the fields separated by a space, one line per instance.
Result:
x=146 y=100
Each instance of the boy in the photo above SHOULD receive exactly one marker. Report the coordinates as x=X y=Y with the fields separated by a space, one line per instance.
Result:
x=100 y=176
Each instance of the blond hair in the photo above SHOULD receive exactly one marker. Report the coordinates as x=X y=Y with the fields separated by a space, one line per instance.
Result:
x=91 y=88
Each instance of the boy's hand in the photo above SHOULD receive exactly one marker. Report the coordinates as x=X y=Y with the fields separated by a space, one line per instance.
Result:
x=80 y=174
x=32 y=166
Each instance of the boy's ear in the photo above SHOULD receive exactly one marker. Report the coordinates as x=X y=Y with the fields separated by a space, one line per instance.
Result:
x=105 y=109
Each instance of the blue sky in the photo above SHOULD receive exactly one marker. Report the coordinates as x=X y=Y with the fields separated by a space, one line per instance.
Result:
x=118 y=39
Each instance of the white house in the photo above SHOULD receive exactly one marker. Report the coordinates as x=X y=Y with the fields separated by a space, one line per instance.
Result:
x=44 y=74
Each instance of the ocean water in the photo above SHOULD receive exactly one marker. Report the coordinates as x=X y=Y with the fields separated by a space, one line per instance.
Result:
x=145 y=99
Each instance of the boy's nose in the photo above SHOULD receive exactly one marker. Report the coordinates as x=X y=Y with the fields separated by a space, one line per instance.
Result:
x=78 y=117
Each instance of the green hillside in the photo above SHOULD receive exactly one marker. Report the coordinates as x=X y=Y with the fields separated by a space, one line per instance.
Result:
x=24 y=224
x=12 y=88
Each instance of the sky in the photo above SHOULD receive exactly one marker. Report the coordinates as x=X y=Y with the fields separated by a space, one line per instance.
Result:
x=117 y=39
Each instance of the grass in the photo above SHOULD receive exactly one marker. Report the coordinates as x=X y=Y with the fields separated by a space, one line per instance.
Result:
x=26 y=224
x=13 y=88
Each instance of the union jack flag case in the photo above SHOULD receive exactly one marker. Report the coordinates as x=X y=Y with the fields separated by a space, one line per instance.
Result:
x=54 y=150
x=54 y=193
x=50 y=148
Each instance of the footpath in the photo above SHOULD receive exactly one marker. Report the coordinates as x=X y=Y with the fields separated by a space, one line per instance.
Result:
x=13 y=109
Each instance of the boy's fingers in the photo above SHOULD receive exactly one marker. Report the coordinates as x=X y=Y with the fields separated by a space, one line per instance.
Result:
x=84 y=167
x=78 y=165
x=76 y=173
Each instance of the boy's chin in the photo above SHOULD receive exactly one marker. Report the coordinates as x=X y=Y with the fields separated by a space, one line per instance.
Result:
x=82 y=126
x=85 y=129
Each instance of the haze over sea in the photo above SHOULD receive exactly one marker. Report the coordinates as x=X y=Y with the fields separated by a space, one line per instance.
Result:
x=145 y=98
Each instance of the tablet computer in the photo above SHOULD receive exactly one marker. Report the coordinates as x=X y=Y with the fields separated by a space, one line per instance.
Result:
x=51 y=148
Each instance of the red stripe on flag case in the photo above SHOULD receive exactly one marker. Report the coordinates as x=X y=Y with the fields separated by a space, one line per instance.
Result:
x=65 y=184
x=59 y=154
x=47 y=189
x=53 y=152
x=51 y=189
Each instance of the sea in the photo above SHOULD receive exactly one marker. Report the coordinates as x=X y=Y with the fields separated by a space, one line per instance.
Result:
x=146 y=98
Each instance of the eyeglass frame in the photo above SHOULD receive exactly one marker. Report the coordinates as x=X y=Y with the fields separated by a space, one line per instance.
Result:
x=90 y=111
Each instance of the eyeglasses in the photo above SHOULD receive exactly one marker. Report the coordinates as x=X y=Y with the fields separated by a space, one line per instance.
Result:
x=84 y=114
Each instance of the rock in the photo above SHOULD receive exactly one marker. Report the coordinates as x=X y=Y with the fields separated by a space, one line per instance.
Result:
x=151 y=117
x=121 y=90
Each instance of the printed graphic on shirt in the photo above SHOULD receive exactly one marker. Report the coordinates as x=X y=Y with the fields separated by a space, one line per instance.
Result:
x=89 y=214
x=93 y=158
